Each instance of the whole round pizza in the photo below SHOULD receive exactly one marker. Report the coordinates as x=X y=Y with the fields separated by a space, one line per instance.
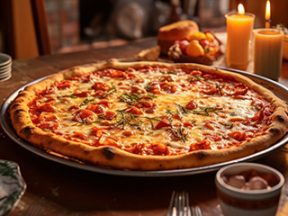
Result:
x=149 y=116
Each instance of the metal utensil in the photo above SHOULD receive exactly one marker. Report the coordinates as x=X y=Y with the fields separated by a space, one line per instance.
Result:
x=179 y=204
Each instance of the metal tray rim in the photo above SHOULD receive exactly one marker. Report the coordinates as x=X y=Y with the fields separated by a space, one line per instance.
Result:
x=5 y=122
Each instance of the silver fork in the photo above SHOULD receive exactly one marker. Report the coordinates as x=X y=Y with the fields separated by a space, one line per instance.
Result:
x=179 y=204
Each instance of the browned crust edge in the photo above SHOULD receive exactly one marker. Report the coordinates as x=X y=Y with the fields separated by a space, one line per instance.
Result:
x=120 y=159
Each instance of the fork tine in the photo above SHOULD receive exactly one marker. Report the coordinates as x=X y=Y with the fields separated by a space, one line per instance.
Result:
x=171 y=209
x=181 y=204
x=187 y=210
x=177 y=203
x=193 y=211
x=196 y=211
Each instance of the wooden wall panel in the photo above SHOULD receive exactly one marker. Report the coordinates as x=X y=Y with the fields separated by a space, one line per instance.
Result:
x=24 y=32
x=17 y=27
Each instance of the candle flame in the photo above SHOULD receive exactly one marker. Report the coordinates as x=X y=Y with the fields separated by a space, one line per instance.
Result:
x=268 y=11
x=241 y=9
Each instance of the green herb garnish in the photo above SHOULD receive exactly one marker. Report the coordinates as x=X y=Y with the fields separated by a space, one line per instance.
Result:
x=182 y=110
x=151 y=96
x=111 y=91
x=179 y=133
x=171 y=72
x=205 y=111
x=86 y=101
x=148 y=87
x=127 y=119
x=194 y=78
x=70 y=96
x=228 y=125
x=130 y=98
x=151 y=119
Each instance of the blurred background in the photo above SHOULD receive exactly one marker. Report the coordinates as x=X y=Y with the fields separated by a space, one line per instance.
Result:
x=29 y=28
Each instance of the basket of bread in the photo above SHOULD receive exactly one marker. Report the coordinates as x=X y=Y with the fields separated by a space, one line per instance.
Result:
x=183 y=42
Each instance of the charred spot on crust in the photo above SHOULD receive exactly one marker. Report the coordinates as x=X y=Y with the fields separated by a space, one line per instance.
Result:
x=108 y=153
x=275 y=131
x=48 y=143
x=27 y=131
x=280 y=118
x=86 y=152
x=14 y=105
x=22 y=93
x=64 y=144
x=200 y=155
x=17 y=114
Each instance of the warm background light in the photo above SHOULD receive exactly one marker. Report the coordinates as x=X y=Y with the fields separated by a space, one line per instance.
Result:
x=278 y=11
x=268 y=10
x=241 y=9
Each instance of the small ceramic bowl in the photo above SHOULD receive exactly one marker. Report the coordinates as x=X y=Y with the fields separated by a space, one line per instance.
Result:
x=235 y=201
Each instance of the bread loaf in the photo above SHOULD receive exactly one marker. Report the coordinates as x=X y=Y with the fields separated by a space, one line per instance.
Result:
x=181 y=30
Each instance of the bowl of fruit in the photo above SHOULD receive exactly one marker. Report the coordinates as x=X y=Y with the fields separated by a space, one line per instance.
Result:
x=201 y=47
x=183 y=42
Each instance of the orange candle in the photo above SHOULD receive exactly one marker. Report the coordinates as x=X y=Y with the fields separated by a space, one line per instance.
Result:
x=239 y=30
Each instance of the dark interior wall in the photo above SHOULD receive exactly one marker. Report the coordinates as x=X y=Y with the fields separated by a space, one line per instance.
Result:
x=5 y=26
x=90 y=8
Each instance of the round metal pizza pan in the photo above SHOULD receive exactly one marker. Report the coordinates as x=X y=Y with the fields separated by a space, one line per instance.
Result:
x=280 y=90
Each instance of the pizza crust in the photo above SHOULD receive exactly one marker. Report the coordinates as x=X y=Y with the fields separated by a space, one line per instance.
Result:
x=120 y=159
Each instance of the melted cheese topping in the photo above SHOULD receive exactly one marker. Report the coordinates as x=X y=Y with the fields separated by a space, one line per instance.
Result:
x=152 y=111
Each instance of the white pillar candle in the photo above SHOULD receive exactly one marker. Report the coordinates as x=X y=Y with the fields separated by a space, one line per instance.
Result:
x=268 y=46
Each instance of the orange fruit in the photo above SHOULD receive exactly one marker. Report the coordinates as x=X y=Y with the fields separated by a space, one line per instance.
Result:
x=194 y=49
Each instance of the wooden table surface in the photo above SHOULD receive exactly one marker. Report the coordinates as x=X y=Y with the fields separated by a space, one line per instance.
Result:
x=55 y=189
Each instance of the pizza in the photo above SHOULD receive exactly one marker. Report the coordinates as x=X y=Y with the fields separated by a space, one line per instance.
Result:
x=149 y=116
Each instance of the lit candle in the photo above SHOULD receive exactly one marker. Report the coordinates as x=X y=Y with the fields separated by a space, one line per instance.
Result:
x=268 y=48
x=239 y=30
x=267 y=14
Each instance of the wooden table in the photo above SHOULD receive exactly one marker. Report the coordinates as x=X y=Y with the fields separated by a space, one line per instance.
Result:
x=55 y=189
